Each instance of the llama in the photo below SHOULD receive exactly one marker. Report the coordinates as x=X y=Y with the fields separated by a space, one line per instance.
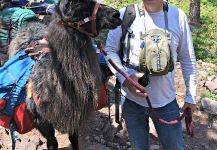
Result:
x=67 y=78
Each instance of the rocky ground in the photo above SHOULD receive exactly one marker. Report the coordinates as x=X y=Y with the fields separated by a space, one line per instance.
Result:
x=100 y=133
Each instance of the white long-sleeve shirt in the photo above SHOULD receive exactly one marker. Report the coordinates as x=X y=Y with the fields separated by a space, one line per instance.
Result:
x=161 y=89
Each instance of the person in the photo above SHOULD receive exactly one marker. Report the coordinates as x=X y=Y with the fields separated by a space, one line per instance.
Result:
x=161 y=89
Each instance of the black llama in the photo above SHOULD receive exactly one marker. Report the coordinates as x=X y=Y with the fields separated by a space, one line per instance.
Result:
x=67 y=78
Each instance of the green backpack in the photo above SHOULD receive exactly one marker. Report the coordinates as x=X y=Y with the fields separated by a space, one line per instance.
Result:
x=11 y=20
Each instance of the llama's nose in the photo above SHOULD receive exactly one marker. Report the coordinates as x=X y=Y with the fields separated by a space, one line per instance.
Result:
x=115 y=14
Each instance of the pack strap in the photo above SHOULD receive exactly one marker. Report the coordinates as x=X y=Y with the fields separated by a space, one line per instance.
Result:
x=128 y=18
x=130 y=33
x=165 y=10
x=36 y=48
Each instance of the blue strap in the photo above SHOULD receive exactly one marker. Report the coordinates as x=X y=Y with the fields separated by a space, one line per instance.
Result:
x=14 y=136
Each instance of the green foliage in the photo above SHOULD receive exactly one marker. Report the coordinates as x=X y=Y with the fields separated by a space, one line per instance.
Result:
x=120 y=3
x=205 y=37
x=210 y=95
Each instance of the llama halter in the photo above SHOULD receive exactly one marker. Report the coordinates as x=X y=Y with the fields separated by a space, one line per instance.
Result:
x=78 y=25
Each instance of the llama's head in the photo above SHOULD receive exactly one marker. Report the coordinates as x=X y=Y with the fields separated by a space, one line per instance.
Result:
x=88 y=16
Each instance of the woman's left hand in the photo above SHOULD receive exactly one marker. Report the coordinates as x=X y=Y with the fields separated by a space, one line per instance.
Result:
x=193 y=107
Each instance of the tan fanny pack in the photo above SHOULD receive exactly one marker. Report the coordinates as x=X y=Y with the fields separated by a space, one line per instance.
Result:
x=156 y=54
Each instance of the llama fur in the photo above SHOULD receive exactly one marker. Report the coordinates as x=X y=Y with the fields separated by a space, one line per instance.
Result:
x=67 y=79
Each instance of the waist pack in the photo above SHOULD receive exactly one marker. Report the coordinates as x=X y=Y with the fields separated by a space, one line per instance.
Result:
x=155 y=55
x=14 y=75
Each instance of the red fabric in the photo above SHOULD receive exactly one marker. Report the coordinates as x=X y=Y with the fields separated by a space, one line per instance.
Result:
x=102 y=98
x=24 y=119
x=5 y=121
x=2 y=103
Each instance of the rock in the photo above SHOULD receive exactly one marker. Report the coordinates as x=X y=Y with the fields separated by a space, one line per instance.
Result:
x=102 y=141
x=96 y=147
x=120 y=139
x=33 y=143
x=202 y=75
x=207 y=65
x=97 y=138
x=100 y=136
x=211 y=78
x=87 y=138
x=30 y=146
x=212 y=86
x=35 y=139
x=109 y=144
x=205 y=146
x=109 y=132
x=209 y=105
x=206 y=52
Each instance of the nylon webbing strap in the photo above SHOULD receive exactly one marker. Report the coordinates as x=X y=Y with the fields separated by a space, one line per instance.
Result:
x=130 y=32
x=165 y=10
x=127 y=20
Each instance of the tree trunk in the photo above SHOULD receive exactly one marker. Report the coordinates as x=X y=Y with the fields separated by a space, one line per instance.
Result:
x=194 y=13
